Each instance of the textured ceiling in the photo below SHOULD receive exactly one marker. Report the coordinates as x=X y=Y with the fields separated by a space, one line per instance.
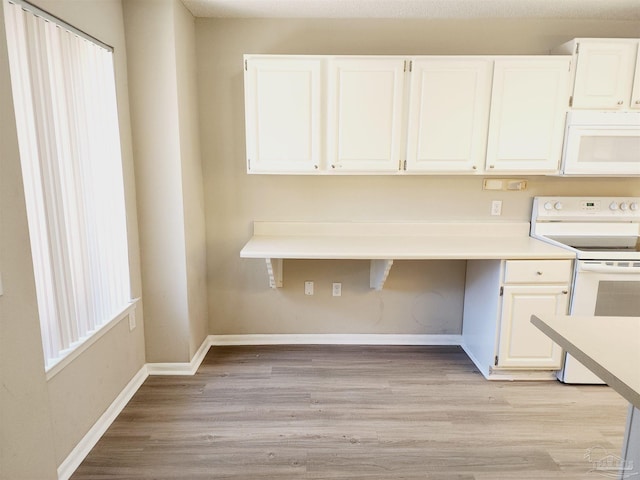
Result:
x=438 y=9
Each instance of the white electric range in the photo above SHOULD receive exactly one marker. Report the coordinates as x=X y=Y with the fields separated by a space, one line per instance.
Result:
x=604 y=232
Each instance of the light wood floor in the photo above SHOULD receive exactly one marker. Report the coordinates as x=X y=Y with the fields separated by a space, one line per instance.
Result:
x=344 y=412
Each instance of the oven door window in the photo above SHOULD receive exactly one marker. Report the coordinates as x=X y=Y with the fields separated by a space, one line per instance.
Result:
x=618 y=299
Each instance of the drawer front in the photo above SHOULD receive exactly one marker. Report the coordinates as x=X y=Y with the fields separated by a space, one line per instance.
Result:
x=537 y=271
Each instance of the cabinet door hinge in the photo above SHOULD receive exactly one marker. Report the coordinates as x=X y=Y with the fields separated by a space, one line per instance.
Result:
x=399 y=164
x=577 y=48
x=495 y=360
x=404 y=165
x=501 y=293
x=410 y=65
x=245 y=66
x=248 y=164
x=571 y=101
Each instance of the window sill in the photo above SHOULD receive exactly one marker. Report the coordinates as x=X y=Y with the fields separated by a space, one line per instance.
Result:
x=76 y=350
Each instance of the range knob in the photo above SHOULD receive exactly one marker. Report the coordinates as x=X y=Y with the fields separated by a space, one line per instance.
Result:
x=558 y=206
x=624 y=206
x=633 y=206
x=613 y=206
x=548 y=206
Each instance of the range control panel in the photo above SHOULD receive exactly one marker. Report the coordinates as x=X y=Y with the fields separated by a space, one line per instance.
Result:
x=588 y=208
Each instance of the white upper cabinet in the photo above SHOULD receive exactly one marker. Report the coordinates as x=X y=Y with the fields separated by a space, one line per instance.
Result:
x=381 y=114
x=635 y=92
x=448 y=114
x=604 y=73
x=365 y=111
x=528 y=108
x=283 y=114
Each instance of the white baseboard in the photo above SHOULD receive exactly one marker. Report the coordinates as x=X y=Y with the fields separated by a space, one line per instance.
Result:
x=335 y=339
x=82 y=449
x=185 y=368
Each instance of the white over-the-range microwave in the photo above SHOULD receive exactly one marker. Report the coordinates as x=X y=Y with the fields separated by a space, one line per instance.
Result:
x=602 y=143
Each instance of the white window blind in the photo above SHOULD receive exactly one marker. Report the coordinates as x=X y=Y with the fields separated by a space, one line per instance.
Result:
x=65 y=107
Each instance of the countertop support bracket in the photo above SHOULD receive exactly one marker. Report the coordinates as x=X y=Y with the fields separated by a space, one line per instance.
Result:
x=274 y=270
x=379 y=273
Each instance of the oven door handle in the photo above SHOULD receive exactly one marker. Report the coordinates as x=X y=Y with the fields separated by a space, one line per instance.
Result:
x=599 y=268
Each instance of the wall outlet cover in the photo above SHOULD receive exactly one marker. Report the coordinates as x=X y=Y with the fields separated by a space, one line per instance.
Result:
x=308 y=288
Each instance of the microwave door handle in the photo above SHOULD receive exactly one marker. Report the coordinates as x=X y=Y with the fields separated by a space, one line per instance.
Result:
x=608 y=269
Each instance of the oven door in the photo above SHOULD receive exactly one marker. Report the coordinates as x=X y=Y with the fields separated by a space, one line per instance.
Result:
x=606 y=289
x=602 y=150
x=601 y=289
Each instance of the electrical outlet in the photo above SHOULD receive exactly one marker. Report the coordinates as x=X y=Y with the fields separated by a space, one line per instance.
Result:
x=337 y=290
x=308 y=288
x=496 y=207
x=132 y=321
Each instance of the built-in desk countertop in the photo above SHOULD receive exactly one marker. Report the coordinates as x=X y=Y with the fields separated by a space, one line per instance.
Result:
x=610 y=348
x=381 y=243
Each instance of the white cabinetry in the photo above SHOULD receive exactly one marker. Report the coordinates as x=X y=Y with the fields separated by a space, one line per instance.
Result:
x=500 y=297
x=635 y=92
x=449 y=114
x=528 y=106
x=521 y=344
x=365 y=112
x=604 y=73
x=335 y=114
x=283 y=114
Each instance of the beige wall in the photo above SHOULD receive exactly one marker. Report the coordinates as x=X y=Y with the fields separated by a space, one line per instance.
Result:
x=160 y=48
x=419 y=297
x=42 y=421
x=192 y=186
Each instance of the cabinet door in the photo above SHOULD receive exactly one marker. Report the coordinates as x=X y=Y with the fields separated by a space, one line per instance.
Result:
x=635 y=93
x=282 y=108
x=522 y=344
x=604 y=74
x=449 y=115
x=528 y=108
x=365 y=114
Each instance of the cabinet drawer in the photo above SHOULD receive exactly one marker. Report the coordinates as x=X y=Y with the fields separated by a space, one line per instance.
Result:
x=537 y=271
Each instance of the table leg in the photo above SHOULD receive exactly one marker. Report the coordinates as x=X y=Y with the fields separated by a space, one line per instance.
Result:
x=631 y=447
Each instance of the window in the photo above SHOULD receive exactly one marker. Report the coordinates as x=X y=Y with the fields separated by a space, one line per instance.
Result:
x=64 y=95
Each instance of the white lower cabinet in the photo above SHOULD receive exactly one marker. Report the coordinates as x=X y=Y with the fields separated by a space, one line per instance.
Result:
x=521 y=344
x=500 y=297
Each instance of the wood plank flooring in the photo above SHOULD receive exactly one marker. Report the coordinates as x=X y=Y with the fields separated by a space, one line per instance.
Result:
x=355 y=412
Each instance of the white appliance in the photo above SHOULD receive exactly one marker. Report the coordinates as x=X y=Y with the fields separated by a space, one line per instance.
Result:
x=602 y=143
x=604 y=232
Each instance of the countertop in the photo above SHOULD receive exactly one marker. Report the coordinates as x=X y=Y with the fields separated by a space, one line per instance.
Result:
x=400 y=241
x=608 y=346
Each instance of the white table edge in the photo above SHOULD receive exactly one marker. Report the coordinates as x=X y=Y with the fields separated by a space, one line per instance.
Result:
x=627 y=392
